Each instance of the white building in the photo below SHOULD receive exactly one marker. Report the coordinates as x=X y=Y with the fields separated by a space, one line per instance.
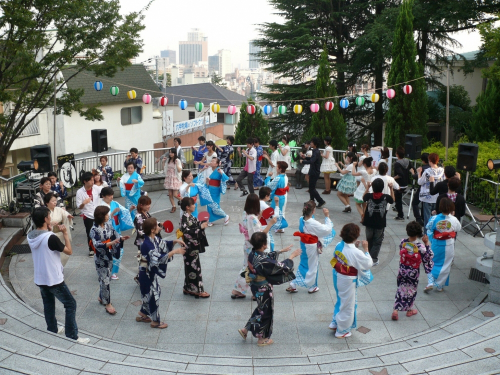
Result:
x=225 y=63
x=253 y=60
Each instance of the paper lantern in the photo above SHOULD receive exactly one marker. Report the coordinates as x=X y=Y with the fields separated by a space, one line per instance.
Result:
x=198 y=106
x=183 y=104
x=391 y=93
x=114 y=90
x=215 y=108
x=360 y=101
x=344 y=103
x=282 y=109
x=251 y=109
x=375 y=98
x=98 y=85
x=314 y=107
x=407 y=89
x=268 y=109
x=231 y=109
x=163 y=101
x=297 y=109
x=131 y=94
x=329 y=106
x=146 y=98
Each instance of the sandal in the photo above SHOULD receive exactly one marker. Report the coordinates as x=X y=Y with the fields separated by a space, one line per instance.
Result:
x=266 y=342
x=113 y=312
x=203 y=295
x=291 y=290
x=316 y=289
x=395 y=316
x=161 y=325
x=244 y=335
x=226 y=220
x=237 y=296
x=173 y=210
x=100 y=300
x=411 y=312
x=143 y=319
x=428 y=288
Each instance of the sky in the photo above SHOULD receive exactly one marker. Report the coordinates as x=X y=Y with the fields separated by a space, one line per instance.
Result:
x=228 y=24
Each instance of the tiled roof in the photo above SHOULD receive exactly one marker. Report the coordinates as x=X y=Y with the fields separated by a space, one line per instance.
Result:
x=133 y=77
x=203 y=92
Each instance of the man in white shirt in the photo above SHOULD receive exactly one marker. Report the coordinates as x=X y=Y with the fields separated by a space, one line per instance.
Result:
x=180 y=151
x=87 y=199
x=383 y=168
x=250 y=167
x=46 y=249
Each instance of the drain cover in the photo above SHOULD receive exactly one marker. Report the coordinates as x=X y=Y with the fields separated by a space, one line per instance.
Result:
x=20 y=249
x=477 y=275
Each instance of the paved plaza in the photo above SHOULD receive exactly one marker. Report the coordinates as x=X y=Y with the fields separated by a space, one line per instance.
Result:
x=209 y=326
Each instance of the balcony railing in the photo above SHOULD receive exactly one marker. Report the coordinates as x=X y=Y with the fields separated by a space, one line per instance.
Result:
x=33 y=128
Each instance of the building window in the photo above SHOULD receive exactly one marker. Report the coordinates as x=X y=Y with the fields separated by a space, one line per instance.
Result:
x=220 y=118
x=229 y=119
x=192 y=115
x=131 y=115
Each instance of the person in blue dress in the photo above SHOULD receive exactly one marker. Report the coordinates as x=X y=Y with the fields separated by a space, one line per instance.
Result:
x=279 y=188
x=199 y=153
x=130 y=187
x=216 y=183
x=257 y=178
x=155 y=254
x=189 y=189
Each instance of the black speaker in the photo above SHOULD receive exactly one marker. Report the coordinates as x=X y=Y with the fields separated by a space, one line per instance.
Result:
x=467 y=157
x=42 y=158
x=413 y=146
x=99 y=140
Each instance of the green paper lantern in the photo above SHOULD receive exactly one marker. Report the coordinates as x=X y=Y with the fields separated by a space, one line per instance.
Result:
x=198 y=106
x=360 y=101
x=114 y=90
x=282 y=109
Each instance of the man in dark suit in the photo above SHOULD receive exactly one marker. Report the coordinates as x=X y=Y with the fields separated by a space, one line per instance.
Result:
x=314 y=171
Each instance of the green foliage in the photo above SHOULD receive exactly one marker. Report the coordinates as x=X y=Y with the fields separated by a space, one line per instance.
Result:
x=407 y=113
x=490 y=36
x=39 y=39
x=327 y=123
x=251 y=125
x=485 y=122
x=459 y=97
x=217 y=80
x=460 y=109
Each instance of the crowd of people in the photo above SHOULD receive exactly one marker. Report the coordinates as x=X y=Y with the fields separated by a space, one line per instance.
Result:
x=430 y=238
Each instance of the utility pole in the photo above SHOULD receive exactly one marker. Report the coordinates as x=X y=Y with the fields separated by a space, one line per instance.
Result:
x=156 y=60
x=55 y=116
x=447 y=110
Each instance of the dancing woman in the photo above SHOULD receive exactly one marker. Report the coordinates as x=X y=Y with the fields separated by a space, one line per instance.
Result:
x=106 y=170
x=264 y=270
x=155 y=254
x=365 y=174
x=189 y=189
x=226 y=158
x=314 y=237
x=216 y=183
x=130 y=187
x=350 y=270
x=249 y=225
x=279 y=188
x=347 y=185
x=328 y=166
x=257 y=180
x=199 y=153
x=143 y=207
x=286 y=154
x=196 y=241
x=206 y=163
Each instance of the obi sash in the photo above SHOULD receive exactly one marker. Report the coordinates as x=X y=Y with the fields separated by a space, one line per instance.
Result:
x=282 y=191
x=116 y=219
x=92 y=244
x=260 y=158
x=306 y=238
x=128 y=187
x=213 y=182
x=444 y=235
x=345 y=270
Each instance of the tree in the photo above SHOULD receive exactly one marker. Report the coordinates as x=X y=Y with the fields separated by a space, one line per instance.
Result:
x=490 y=36
x=485 y=124
x=217 y=80
x=407 y=113
x=327 y=123
x=251 y=125
x=40 y=38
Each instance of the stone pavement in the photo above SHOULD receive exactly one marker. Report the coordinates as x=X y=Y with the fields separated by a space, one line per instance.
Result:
x=209 y=326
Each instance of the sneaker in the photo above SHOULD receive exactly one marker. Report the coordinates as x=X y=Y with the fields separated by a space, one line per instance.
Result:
x=321 y=205
x=60 y=330
x=91 y=254
x=376 y=263
x=397 y=218
x=243 y=193
x=114 y=277
x=82 y=340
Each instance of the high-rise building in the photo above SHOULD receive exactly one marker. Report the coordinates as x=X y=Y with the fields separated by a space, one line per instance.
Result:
x=213 y=63
x=254 y=62
x=195 y=49
x=195 y=35
x=225 y=62
x=171 y=54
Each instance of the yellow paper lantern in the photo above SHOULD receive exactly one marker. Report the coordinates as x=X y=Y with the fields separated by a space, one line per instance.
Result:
x=297 y=109
x=215 y=108
x=131 y=94
x=375 y=98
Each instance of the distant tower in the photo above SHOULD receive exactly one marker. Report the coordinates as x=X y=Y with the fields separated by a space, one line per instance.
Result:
x=252 y=58
x=195 y=49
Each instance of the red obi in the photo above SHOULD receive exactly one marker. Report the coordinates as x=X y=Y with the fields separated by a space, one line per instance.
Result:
x=215 y=183
x=117 y=220
x=444 y=235
x=260 y=158
x=129 y=187
x=282 y=191
x=345 y=270
x=411 y=260
x=308 y=239
x=263 y=221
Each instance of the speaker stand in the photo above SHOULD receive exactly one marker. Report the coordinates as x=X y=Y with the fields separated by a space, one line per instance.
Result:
x=412 y=193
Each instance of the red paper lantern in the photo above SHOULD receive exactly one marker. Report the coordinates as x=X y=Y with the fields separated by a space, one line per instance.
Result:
x=251 y=109
x=407 y=89
x=163 y=101
x=314 y=107
x=329 y=106
x=146 y=98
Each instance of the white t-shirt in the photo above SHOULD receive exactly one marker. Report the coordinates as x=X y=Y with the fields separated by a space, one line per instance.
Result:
x=274 y=160
x=387 y=180
x=286 y=158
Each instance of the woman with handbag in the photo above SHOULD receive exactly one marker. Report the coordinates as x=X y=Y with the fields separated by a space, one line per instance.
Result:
x=264 y=270
x=196 y=241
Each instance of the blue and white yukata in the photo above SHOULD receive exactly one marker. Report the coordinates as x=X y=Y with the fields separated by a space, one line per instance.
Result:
x=279 y=187
x=153 y=263
x=314 y=236
x=226 y=162
x=281 y=223
x=351 y=269
x=210 y=195
x=442 y=231
x=133 y=194
x=186 y=191
x=257 y=178
x=121 y=221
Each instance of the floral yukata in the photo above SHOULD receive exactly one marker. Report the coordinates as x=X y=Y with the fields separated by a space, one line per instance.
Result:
x=104 y=256
x=106 y=173
x=154 y=259
x=196 y=241
x=257 y=178
x=411 y=254
x=187 y=191
x=226 y=162
x=131 y=191
x=350 y=271
x=264 y=271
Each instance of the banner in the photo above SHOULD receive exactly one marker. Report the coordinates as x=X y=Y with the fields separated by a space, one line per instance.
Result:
x=67 y=170
x=188 y=125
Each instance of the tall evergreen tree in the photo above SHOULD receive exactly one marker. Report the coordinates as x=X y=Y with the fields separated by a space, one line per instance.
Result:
x=327 y=123
x=407 y=113
x=251 y=125
x=485 y=122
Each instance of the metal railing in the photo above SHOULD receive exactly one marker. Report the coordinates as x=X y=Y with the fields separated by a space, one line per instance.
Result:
x=33 y=128
x=482 y=193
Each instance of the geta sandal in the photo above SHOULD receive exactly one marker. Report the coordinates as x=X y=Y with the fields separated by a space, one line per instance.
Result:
x=142 y=319
x=266 y=342
x=161 y=325
x=244 y=335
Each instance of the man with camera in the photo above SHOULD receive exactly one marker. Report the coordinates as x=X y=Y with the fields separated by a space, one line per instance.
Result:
x=46 y=249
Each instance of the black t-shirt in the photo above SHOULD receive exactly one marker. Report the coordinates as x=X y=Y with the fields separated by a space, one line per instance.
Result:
x=55 y=244
x=376 y=210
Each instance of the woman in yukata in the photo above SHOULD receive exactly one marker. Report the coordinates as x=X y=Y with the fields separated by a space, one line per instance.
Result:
x=442 y=230
x=120 y=219
x=249 y=225
x=350 y=270
x=189 y=189
x=107 y=243
x=226 y=158
x=413 y=251
x=130 y=187
x=279 y=188
x=263 y=271
x=196 y=241
x=155 y=254
x=216 y=183
x=314 y=237
x=206 y=163
x=106 y=170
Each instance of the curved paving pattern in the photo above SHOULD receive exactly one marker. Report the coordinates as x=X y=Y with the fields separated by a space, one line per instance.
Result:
x=446 y=333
